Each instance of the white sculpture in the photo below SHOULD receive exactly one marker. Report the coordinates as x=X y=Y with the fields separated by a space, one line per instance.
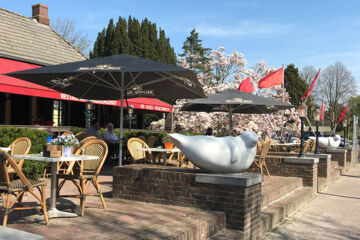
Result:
x=328 y=142
x=219 y=154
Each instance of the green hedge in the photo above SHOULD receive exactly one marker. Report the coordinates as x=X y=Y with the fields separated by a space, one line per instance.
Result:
x=129 y=134
x=38 y=140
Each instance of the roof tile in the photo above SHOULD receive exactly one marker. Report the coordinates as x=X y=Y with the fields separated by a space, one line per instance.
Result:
x=24 y=38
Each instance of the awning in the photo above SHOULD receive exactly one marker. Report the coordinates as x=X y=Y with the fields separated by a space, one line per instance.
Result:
x=17 y=86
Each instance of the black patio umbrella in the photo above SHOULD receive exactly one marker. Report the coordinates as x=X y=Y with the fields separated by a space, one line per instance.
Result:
x=116 y=77
x=235 y=101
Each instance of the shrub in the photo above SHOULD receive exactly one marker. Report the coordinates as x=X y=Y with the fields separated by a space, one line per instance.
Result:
x=38 y=139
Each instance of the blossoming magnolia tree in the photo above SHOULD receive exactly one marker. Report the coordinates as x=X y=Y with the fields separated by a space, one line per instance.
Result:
x=228 y=71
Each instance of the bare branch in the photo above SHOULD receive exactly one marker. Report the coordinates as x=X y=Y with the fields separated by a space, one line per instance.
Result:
x=76 y=37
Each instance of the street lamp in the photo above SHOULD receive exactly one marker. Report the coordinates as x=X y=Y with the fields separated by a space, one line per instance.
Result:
x=302 y=110
x=88 y=112
x=345 y=127
x=317 y=115
x=130 y=111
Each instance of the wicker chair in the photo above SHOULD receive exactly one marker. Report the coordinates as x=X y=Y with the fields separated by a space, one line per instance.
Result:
x=67 y=133
x=307 y=146
x=139 y=156
x=82 y=142
x=18 y=188
x=260 y=162
x=20 y=146
x=87 y=173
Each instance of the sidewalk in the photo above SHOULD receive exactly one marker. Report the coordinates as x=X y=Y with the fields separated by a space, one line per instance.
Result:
x=333 y=214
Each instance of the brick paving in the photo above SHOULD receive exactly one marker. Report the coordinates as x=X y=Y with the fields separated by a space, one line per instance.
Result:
x=123 y=219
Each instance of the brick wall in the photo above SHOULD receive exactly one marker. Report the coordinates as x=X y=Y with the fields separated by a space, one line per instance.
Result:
x=338 y=155
x=174 y=186
x=277 y=165
x=324 y=164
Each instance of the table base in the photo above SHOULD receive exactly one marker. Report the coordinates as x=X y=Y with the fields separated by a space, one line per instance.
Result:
x=52 y=213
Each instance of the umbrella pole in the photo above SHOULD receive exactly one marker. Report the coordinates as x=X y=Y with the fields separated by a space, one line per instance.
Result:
x=121 y=118
x=230 y=123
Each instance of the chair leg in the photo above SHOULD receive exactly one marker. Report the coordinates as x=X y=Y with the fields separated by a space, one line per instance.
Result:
x=83 y=196
x=267 y=170
x=7 y=209
x=99 y=192
x=19 y=201
x=43 y=205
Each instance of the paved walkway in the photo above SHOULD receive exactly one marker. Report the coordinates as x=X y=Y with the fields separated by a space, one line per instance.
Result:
x=334 y=214
x=122 y=219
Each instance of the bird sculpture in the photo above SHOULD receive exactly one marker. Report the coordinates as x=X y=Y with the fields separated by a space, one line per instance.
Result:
x=219 y=154
x=328 y=142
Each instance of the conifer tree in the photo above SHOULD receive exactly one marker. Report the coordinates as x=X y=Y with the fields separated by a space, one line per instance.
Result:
x=133 y=38
x=297 y=87
x=193 y=46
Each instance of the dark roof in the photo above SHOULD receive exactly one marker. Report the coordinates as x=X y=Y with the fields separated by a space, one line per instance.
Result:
x=23 y=38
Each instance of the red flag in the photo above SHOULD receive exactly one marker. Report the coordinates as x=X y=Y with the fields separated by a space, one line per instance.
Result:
x=342 y=114
x=322 y=111
x=272 y=79
x=311 y=87
x=246 y=86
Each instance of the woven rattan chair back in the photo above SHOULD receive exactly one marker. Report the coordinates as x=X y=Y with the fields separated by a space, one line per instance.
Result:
x=80 y=135
x=6 y=160
x=265 y=149
x=67 y=133
x=20 y=146
x=96 y=148
x=151 y=141
x=82 y=142
x=135 y=143
x=313 y=146
x=307 y=146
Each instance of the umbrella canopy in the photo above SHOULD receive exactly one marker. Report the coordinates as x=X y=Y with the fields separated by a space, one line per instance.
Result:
x=235 y=101
x=105 y=78
x=114 y=77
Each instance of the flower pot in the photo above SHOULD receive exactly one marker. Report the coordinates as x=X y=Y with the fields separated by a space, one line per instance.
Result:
x=169 y=145
x=67 y=151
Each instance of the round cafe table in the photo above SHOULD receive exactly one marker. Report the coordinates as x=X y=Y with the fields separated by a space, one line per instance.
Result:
x=53 y=212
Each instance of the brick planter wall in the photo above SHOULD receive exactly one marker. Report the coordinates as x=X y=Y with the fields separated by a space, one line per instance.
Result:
x=306 y=168
x=350 y=158
x=324 y=164
x=181 y=187
x=339 y=155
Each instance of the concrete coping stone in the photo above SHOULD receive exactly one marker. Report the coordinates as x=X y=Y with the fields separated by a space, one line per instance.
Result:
x=303 y=160
x=14 y=234
x=321 y=156
x=230 y=179
x=336 y=150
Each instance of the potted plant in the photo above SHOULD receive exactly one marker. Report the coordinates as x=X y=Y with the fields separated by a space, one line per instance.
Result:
x=167 y=142
x=68 y=142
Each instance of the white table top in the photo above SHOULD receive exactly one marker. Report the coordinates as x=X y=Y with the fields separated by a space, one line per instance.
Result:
x=284 y=144
x=173 y=150
x=40 y=158
x=5 y=149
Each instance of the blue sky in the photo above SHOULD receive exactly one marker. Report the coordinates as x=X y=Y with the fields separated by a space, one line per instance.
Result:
x=278 y=32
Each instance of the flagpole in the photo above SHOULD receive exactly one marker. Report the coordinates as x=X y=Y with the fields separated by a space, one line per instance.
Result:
x=283 y=99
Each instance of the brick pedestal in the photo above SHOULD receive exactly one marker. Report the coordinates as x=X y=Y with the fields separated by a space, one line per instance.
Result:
x=339 y=155
x=324 y=165
x=306 y=168
x=350 y=157
x=238 y=195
